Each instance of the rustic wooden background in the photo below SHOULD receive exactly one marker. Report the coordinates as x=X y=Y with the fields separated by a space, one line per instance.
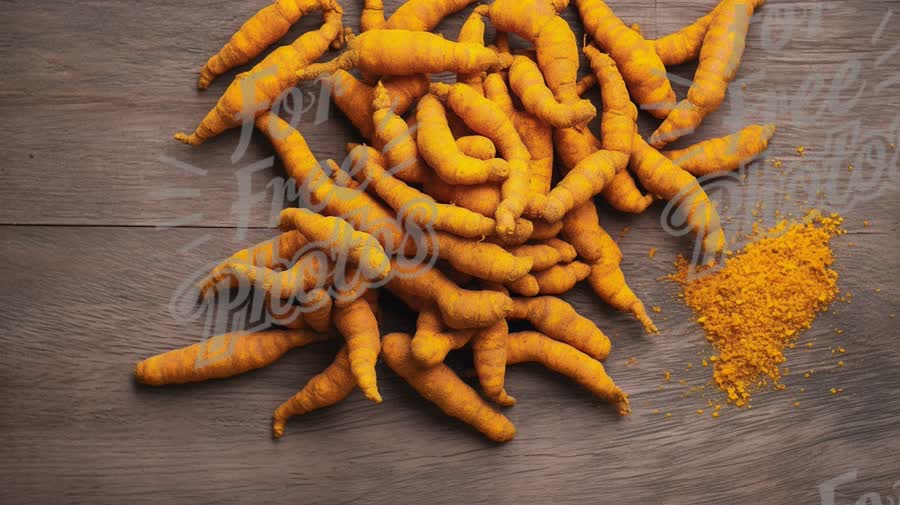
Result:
x=103 y=216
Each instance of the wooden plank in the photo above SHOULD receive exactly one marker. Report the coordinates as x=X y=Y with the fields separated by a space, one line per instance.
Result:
x=79 y=306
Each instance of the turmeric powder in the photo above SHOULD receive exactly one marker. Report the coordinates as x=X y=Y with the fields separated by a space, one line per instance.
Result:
x=756 y=303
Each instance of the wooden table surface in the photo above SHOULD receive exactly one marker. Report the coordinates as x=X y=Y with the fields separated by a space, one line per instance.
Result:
x=103 y=217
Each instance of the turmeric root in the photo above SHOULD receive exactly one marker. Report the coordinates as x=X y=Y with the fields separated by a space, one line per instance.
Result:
x=460 y=308
x=559 y=279
x=585 y=180
x=484 y=260
x=413 y=205
x=723 y=154
x=545 y=255
x=594 y=245
x=439 y=385
x=486 y=118
x=423 y=15
x=526 y=285
x=372 y=15
x=265 y=82
x=398 y=145
x=642 y=69
x=357 y=324
x=311 y=271
x=537 y=137
x=275 y=254
x=316 y=306
x=477 y=146
x=528 y=84
x=530 y=346
x=338 y=236
x=618 y=125
x=354 y=97
x=685 y=44
x=364 y=212
x=432 y=342
x=618 y=121
x=489 y=352
x=720 y=57
x=387 y=52
x=623 y=194
x=558 y=320
x=438 y=148
x=665 y=179
x=259 y=32
x=221 y=356
x=472 y=32
x=557 y=50
x=325 y=389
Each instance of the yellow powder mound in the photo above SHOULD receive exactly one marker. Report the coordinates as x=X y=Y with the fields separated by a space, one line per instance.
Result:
x=756 y=303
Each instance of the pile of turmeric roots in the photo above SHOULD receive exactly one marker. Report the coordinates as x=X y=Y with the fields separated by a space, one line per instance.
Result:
x=448 y=199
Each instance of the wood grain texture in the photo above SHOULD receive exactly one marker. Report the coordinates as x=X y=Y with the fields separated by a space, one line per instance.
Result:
x=91 y=95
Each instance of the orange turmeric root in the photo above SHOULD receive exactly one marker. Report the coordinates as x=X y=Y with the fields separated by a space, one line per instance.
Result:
x=386 y=52
x=259 y=32
x=723 y=154
x=720 y=57
x=221 y=356
x=530 y=346
x=489 y=351
x=665 y=179
x=559 y=279
x=558 y=320
x=325 y=389
x=252 y=93
x=642 y=69
x=432 y=341
x=460 y=308
x=357 y=324
x=439 y=385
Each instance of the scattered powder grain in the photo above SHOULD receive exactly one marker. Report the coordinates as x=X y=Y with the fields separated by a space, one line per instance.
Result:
x=753 y=306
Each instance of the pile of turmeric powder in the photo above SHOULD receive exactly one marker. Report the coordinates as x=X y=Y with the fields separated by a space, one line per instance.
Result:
x=754 y=304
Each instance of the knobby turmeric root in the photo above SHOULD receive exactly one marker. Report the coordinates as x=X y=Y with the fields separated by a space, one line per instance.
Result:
x=558 y=320
x=460 y=308
x=439 y=385
x=665 y=179
x=355 y=98
x=252 y=93
x=438 y=148
x=221 y=356
x=356 y=322
x=557 y=50
x=723 y=154
x=338 y=236
x=530 y=346
x=259 y=32
x=387 y=52
x=489 y=352
x=642 y=69
x=559 y=279
x=325 y=389
x=432 y=341
x=720 y=57
x=528 y=84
